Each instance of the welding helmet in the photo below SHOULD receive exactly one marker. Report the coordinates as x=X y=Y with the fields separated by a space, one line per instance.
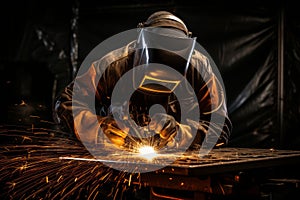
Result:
x=161 y=60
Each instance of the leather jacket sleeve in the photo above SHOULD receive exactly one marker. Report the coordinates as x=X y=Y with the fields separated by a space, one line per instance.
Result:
x=214 y=119
x=66 y=107
x=85 y=113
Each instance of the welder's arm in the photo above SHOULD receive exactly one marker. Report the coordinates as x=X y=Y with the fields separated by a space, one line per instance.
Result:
x=75 y=111
x=215 y=124
x=214 y=127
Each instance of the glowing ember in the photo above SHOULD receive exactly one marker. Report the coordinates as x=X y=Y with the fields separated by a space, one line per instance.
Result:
x=147 y=152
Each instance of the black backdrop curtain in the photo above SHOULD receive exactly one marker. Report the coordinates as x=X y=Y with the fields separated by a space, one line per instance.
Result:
x=254 y=44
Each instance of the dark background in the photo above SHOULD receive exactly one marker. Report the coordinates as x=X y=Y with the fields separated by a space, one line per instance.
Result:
x=255 y=45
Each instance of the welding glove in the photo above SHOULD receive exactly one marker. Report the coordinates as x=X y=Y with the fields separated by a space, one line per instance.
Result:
x=173 y=135
x=182 y=139
x=165 y=126
x=122 y=133
x=116 y=131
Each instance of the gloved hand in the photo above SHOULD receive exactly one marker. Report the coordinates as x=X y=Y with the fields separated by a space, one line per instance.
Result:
x=165 y=126
x=174 y=136
x=115 y=131
x=122 y=133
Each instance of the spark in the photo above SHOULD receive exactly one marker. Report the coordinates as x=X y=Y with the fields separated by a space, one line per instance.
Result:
x=147 y=152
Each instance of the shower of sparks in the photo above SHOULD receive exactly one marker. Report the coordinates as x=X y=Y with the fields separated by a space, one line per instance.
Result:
x=32 y=168
x=39 y=161
x=147 y=152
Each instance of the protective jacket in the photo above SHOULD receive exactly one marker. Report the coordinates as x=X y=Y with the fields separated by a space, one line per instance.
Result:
x=96 y=85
